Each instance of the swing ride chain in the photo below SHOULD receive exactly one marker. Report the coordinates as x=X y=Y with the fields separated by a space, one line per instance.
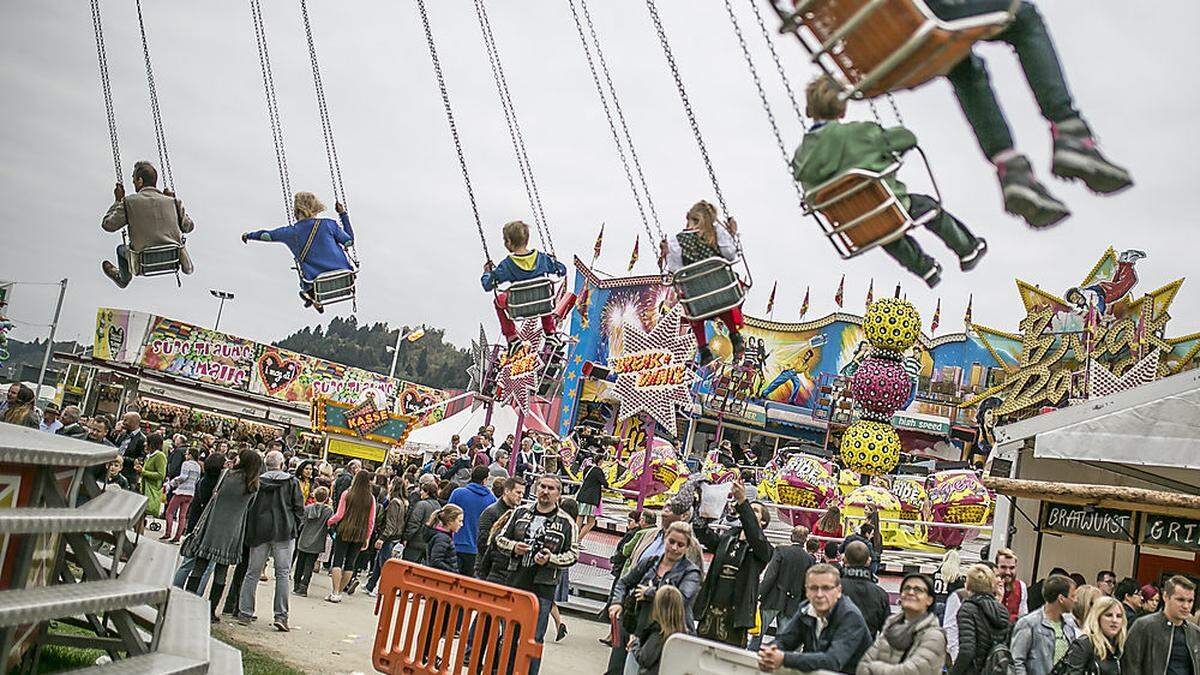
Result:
x=611 y=125
x=264 y=60
x=102 y=58
x=637 y=164
x=687 y=105
x=762 y=96
x=160 y=134
x=514 y=127
x=787 y=84
x=462 y=160
x=331 y=155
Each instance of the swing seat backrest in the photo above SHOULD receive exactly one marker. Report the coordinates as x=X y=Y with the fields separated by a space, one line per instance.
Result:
x=858 y=210
x=531 y=298
x=154 y=261
x=708 y=288
x=335 y=286
x=873 y=47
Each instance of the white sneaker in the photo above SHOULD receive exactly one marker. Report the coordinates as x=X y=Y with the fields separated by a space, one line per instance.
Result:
x=337 y=597
x=371 y=594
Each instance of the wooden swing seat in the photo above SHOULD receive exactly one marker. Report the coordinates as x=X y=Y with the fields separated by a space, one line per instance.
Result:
x=872 y=47
x=708 y=288
x=858 y=210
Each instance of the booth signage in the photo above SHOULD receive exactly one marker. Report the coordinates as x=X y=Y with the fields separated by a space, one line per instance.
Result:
x=348 y=448
x=1087 y=521
x=937 y=427
x=1171 y=532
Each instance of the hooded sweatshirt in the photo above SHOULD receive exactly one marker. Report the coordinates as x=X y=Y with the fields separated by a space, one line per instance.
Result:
x=277 y=510
x=473 y=498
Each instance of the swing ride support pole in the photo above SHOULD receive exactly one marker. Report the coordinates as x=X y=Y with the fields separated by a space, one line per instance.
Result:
x=516 y=449
x=62 y=291
x=644 y=484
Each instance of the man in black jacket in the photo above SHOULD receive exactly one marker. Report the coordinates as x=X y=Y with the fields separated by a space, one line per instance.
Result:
x=271 y=528
x=782 y=587
x=827 y=632
x=728 y=600
x=131 y=443
x=509 y=498
x=859 y=585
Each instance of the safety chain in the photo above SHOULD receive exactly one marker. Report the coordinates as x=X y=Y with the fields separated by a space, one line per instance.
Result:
x=687 y=105
x=331 y=155
x=766 y=104
x=462 y=161
x=895 y=109
x=787 y=84
x=160 y=134
x=514 y=127
x=102 y=58
x=264 y=60
x=612 y=90
x=587 y=52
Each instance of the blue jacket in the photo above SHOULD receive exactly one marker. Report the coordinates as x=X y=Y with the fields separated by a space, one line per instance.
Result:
x=326 y=253
x=522 y=267
x=473 y=498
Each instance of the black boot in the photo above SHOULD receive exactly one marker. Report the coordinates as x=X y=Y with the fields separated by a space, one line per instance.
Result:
x=1076 y=157
x=1024 y=196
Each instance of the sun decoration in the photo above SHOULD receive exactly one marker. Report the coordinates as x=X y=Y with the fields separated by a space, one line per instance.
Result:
x=520 y=369
x=653 y=370
x=870 y=447
x=892 y=323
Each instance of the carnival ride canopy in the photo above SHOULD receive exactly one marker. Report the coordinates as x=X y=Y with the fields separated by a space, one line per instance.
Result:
x=467 y=422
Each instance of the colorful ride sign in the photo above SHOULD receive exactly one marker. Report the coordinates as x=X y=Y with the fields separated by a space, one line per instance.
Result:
x=653 y=371
x=363 y=421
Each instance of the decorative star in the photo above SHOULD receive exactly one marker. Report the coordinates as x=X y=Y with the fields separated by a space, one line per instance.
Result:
x=520 y=370
x=480 y=352
x=654 y=371
x=578 y=359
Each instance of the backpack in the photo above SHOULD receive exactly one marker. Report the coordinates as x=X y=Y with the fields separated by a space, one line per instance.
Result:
x=999 y=660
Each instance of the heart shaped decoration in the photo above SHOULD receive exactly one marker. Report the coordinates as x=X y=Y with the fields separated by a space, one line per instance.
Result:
x=276 y=372
x=116 y=339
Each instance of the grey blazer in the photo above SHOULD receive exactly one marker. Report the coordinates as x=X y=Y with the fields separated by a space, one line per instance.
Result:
x=153 y=219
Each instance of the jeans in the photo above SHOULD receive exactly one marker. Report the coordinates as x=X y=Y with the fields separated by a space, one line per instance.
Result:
x=539 y=634
x=381 y=557
x=305 y=564
x=788 y=375
x=1028 y=36
x=281 y=551
x=185 y=568
x=768 y=615
x=123 y=263
x=235 y=585
x=631 y=664
x=946 y=227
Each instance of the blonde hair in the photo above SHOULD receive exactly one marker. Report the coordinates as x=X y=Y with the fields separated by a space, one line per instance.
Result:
x=1092 y=627
x=951 y=569
x=981 y=579
x=306 y=205
x=516 y=235
x=1085 y=596
x=668 y=611
x=703 y=217
x=825 y=100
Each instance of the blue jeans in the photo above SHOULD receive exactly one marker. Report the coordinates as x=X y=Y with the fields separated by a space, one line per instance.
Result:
x=788 y=375
x=185 y=568
x=281 y=551
x=381 y=556
x=539 y=634
x=123 y=263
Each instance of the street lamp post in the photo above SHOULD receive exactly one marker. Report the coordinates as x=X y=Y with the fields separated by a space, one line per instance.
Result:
x=222 y=296
x=411 y=336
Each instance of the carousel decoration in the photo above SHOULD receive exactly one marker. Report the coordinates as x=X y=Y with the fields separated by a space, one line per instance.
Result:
x=880 y=386
x=478 y=370
x=653 y=373
x=662 y=478
x=959 y=497
x=520 y=369
x=805 y=481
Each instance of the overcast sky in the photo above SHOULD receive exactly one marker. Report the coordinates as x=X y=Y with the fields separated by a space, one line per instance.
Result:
x=1131 y=67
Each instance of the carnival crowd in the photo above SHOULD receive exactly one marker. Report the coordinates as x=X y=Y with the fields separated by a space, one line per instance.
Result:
x=814 y=603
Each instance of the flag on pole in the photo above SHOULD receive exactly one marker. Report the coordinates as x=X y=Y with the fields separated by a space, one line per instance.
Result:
x=871 y=292
x=837 y=297
x=583 y=305
x=804 y=305
x=967 y=316
x=634 y=257
x=937 y=317
x=771 y=299
x=599 y=243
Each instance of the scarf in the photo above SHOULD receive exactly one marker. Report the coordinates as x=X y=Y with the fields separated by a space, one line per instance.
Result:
x=901 y=633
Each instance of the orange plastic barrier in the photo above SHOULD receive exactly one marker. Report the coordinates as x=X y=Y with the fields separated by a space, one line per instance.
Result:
x=420 y=609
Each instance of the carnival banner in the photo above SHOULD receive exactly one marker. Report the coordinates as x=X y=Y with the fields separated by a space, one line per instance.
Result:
x=196 y=353
x=291 y=376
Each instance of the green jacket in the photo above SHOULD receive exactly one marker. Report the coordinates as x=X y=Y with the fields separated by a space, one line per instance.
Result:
x=835 y=147
x=154 y=470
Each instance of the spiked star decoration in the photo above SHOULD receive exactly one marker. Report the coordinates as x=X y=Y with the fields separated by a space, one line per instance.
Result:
x=479 y=358
x=520 y=370
x=654 y=372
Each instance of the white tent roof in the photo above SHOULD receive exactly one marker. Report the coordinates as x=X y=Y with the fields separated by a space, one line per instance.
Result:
x=465 y=423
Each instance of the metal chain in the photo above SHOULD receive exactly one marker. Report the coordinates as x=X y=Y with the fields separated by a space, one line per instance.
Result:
x=102 y=59
x=766 y=104
x=787 y=83
x=514 y=127
x=637 y=199
x=687 y=105
x=895 y=109
x=160 y=134
x=331 y=156
x=462 y=161
x=612 y=90
x=264 y=60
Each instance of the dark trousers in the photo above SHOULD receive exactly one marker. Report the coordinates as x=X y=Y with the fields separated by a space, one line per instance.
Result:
x=123 y=263
x=381 y=556
x=218 y=583
x=305 y=563
x=466 y=564
x=239 y=576
x=944 y=226
x=1028 y=36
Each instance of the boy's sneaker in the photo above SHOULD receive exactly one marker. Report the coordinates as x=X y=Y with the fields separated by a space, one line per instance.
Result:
x=970 y=260
x=1076 y=157
x=1024 y=196
x=281 y=625
x=933 y=277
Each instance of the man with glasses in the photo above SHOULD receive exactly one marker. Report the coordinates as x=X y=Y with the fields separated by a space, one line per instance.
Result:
x=827 y=632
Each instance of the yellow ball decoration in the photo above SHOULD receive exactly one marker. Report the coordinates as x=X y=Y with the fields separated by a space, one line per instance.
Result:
x=870 y=447
x=892 y=323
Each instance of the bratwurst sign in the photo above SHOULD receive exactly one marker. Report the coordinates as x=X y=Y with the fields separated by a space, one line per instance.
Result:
x=1087 y=521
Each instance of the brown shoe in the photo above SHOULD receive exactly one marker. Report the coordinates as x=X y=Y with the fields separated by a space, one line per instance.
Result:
x=281 y=626
x=112 y=272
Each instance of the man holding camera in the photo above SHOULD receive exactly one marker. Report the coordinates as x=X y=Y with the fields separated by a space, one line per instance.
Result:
x=541 y=541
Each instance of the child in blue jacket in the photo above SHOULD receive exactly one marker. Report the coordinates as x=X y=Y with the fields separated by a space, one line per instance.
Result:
x=522 y=263
x=317 y=244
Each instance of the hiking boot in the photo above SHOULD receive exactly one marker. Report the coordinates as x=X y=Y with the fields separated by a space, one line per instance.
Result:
x=933 y=276
x=970 y=260
x=1024 y=196
x=1077 y=157
x=112 y=272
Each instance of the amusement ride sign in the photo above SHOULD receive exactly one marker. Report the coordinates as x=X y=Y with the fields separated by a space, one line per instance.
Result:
x=653 y=373
x=520 y=369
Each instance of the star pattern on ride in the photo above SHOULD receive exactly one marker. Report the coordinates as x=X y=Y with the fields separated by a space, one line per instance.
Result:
x=520 y=369
x=479 y=362
x=654 y=373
